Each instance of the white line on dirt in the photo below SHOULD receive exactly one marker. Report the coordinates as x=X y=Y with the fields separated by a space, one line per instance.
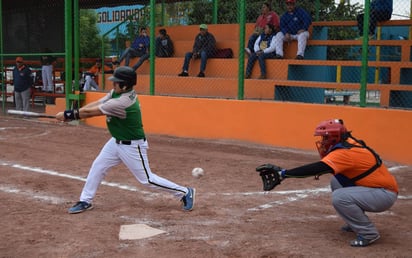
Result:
x=54 y=173
x=293 y=195
x=32 y=195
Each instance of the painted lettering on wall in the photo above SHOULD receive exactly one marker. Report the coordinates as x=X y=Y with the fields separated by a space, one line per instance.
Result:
x=118 y=15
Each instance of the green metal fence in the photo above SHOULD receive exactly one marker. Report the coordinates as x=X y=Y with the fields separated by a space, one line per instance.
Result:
x=338 y=68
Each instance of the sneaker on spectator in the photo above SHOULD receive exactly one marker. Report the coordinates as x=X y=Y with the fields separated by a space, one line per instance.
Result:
x=279 y=57
x=262 y=77
x=184 y=74
x=201 y=74
x=360 y=241
x=247 y=76
x=299 y=57
x=80 y=207
x=189 y=199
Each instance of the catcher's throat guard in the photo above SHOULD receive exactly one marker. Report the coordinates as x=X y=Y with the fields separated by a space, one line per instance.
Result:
x=270 y=176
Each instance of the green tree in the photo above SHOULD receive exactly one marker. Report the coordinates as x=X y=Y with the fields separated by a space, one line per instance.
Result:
x=90 y=40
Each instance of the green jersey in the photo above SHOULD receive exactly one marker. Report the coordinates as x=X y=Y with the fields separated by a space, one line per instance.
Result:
x=123 y=115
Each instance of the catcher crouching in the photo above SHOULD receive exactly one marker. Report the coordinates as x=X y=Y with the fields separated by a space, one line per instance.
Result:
x=360 y=183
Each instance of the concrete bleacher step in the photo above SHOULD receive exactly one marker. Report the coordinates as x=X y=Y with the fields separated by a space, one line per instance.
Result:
x=205 y=87
x=216 y=67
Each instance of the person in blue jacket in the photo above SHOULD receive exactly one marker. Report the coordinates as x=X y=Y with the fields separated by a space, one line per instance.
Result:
x=264 y=48
x=380 y=10
x=294 y=25
x=139 y=48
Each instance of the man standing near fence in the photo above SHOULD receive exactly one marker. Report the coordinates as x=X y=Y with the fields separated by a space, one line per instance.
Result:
x=22 y=81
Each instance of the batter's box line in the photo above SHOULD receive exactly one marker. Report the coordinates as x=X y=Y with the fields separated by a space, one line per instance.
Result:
x=64 y=175
x=299 y=195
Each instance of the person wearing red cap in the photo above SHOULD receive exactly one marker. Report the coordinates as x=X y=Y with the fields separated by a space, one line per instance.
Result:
x=22 y=81
x=294 y=25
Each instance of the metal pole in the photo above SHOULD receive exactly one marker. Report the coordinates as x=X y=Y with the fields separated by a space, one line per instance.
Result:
x=152 y=45
x=76 y=42
x=68 y=49
x=364 y=68
x=3 y=82
x=215 y=8
x=242 y=22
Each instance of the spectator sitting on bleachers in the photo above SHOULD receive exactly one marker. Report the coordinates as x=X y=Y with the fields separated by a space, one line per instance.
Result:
x=204 y=47
x=264 y=48
x=267 y=17
x=139 y=48
x=91 y=76
x=164 y=44
x=294 y=25
x=380 y=10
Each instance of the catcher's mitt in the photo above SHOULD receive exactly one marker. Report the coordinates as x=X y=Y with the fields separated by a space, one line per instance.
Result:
x=270 y=176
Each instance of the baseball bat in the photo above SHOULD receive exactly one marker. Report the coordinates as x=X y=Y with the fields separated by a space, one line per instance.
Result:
x=28 y=113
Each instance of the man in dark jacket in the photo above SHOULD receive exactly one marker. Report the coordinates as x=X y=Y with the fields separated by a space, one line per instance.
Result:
x=22 y=81
x=203 y=48
x=139 y=48
x=380 y=10
x=164 y=45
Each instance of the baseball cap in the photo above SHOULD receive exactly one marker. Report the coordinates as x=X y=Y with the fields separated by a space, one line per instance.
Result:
x=19 y=59
x=290 y=1
x=203 y=26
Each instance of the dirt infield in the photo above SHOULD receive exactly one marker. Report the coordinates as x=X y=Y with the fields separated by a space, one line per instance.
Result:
x=42 y=169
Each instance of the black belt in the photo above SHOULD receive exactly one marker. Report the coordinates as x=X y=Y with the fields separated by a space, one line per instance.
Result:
x=127 y=142
x=124 y=142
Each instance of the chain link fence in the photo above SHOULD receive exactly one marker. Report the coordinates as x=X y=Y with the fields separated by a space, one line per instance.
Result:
x=338 y=66
x=333 y=56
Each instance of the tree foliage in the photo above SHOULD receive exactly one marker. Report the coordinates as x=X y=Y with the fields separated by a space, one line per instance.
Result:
x=201 y=11
x=90 y=41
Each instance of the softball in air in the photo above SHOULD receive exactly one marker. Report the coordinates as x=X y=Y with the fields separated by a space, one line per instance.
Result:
x=198 y=172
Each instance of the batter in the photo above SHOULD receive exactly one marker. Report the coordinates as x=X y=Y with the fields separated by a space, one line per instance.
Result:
x=128 y=143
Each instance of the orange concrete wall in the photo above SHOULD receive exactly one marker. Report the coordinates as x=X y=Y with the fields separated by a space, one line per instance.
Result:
x=272 y=123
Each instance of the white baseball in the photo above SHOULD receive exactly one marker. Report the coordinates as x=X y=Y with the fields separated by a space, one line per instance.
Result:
x=198 y=172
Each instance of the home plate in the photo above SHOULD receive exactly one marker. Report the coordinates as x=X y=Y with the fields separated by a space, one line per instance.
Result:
x=137 y=231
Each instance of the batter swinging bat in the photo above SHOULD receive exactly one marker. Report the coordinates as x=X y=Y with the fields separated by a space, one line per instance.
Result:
x=28 y=113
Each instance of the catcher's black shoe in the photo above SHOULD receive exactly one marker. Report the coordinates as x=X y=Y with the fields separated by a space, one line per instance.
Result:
x=360 y=241
x=80 y=207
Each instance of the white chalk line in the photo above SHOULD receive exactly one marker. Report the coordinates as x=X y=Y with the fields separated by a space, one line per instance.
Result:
x=293 y=195
x=25 y=135
x=32 y=195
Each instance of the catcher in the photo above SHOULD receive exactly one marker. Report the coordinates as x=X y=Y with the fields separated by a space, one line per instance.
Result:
x=361 y=182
